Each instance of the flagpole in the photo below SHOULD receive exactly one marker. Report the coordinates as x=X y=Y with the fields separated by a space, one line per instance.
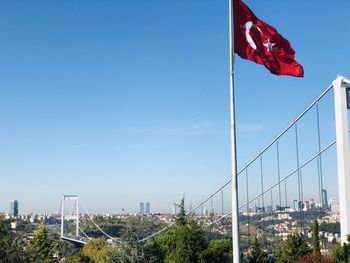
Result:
x=235 y=222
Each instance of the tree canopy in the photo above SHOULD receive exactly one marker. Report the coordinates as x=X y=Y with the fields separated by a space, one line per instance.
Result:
x=293 y=249
x=41 y=249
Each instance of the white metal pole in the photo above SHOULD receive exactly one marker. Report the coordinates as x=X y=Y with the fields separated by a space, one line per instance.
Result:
x=343 y=155
x=235 y=222
x=62 y=216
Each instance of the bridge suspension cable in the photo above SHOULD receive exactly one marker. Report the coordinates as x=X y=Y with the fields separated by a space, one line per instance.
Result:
x=289 y=174
x=267 y=147
x=248 y=200
x=276 y=184
x=84 y=233
x=259 y=155
x=93 y=221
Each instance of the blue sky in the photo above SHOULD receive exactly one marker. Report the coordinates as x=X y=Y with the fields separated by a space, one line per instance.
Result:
x=128 y=101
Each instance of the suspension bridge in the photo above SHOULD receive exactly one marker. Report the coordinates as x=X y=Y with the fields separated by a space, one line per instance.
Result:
x=280 y=177
x=75 y=217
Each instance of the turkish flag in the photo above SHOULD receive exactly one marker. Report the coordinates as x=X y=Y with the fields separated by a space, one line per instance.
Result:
x=259 y=42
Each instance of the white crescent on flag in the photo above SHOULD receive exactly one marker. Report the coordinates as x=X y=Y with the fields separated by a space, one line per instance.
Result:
x=249 y=25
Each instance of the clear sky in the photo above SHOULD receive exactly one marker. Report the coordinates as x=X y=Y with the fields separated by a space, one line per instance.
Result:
x=128 y=101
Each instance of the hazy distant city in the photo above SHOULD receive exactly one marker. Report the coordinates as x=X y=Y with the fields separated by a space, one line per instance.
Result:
x=269 y=222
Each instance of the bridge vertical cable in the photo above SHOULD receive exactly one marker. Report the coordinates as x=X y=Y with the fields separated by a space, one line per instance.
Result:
x=248 y=209
x=271 y=216
x=319 y=159
x=222 y=201
x=300 y=184
x=74 y=207
x=262 y=183
x=278 y=174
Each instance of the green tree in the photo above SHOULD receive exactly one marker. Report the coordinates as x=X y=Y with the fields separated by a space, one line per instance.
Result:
x=130 y=251
x=178 y=246
x=256 y=254
x=4 y=236
x=293 y=249
x=79 y=258
x=316 y=238
x=4 y=231
x=181 y=217
x=185 y=241
x=11 y=245
x=218 y=251
x=66 y=249
x=315 y=258
x=97 y=251
x=338 y=254
x=153 y=252
x=12 y=250
x=41 y=249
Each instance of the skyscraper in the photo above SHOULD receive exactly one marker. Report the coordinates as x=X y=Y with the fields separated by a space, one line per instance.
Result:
x=332 y=201
x=324 y=198
x=206 y=211
x=300 y=205
x=148 y=208
x=142 y=208
x=14 y=208
x=174 y=209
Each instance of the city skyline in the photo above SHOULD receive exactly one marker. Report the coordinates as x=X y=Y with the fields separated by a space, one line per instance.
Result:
x=145 y=208
x=121 y=102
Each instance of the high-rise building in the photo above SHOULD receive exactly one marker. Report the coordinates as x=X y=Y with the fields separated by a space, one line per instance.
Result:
x=142 y=208
x=324 y=198
x=269 y=208
x=294 y=204
x=174 y=209
x=206 y=211
x=148 y=208
x=312 y=204
x=300 y=205
x=332 y=201
x=14 y=208
x=282 y=208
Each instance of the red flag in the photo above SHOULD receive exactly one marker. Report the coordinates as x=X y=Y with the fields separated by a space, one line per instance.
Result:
x=259 y=42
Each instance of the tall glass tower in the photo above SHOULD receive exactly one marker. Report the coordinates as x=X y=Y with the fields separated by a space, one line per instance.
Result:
x=148 y=208
x=324 y=198
x=14 y=208
x=142 y=208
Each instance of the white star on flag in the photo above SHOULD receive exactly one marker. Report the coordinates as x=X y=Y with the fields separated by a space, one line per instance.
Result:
x=269 y=45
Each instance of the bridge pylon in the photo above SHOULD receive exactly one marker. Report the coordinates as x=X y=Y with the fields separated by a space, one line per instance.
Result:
x=342 y=103
x=74 y=216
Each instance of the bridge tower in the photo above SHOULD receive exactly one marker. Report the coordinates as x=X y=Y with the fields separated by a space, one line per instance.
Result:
x=342 y=104
x=74 y=216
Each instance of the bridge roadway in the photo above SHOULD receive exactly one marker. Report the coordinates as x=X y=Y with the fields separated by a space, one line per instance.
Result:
x=77 y=241
x=81 y=241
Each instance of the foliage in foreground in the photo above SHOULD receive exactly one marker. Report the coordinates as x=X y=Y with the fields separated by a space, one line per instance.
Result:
x=41 y=249
x=185 y=242
x=218 y=251
x=14 y=250
x=256 y=254
x=293 y=249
